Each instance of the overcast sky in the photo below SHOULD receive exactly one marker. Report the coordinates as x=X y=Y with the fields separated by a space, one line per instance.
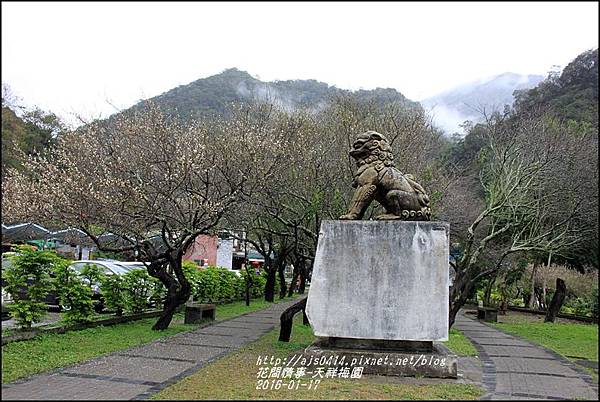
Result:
x=73 y=57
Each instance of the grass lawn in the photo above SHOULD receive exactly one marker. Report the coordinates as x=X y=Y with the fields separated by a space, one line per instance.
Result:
x=572 y=340
x=46 y=352
x=240 y=371
x=459 y=344
x=576 y=341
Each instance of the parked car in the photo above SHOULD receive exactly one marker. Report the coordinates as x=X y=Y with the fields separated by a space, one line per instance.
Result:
x=108 y=267
x=131 y=265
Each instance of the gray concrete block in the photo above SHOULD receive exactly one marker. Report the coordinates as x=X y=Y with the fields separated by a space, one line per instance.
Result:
x=174 y=351
x=204 y=339
x=153 y=369
x=380 y=280
x=532 y=366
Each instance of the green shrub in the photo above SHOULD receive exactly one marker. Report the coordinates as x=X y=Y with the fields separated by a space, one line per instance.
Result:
x=585 y=306
x=74 y=294
x=92 y=274
x=214 y=284
x=112 y=288
x=209 y=286
x=239 y=287
x=582 y=306
x=28 y=281
x=138 y=287
x=517 y=303
x=259 y=281
x=228 y=284
x=158 y=292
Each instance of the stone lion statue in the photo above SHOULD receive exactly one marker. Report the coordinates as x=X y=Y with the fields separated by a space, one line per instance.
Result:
x=377 y=179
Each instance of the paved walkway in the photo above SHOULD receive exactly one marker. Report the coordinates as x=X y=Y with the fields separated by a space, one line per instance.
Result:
x=516 y=369
x=139 y=372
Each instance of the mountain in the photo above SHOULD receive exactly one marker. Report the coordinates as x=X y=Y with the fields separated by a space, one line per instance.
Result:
x=572 y=95
x=213 y=95
x=453 y=107
x=31 y=132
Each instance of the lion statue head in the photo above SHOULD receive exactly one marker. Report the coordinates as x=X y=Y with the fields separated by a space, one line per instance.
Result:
x=370 y=147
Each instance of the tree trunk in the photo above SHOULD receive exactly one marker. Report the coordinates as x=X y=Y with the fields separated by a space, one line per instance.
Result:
x=248 y=286
x=248 y=283
x=540 y=298
x=544 y=293
x=557 y=300
x=295 y=275
x=270 y=285
x=282 y=284
x=172 y=301
x=292 y=286
x=302 y=285
x=531 y=302
x=488 y=291
x=178 y=288
x=458 y=302
x=287 y=319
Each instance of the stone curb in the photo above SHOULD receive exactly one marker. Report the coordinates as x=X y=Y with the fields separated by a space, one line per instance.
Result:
x=23 y=336
x=489 y=368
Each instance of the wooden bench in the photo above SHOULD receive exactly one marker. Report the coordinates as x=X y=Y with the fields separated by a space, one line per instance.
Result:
x=489 y=314
x=196 y=312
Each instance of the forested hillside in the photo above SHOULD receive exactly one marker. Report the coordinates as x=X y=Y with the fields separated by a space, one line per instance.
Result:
x=567 y=105
x=215 y=95
x=31 y=133
x=572 y=95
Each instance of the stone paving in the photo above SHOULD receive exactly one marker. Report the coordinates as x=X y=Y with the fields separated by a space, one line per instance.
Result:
x=516 y=369
x=139 y=372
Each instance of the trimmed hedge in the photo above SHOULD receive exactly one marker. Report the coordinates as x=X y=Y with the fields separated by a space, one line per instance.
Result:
x=29 y=282
x=213 y=284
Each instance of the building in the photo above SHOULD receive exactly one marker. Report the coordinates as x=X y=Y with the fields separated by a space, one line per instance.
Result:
x=203 y=250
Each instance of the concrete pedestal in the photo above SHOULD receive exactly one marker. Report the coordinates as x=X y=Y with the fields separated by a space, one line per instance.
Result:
x=380 y=288
x=380 y=280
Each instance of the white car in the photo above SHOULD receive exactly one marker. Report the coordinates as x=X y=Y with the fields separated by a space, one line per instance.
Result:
x=107 y=267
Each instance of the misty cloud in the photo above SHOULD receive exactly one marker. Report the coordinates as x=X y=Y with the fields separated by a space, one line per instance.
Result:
x=469 y=101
